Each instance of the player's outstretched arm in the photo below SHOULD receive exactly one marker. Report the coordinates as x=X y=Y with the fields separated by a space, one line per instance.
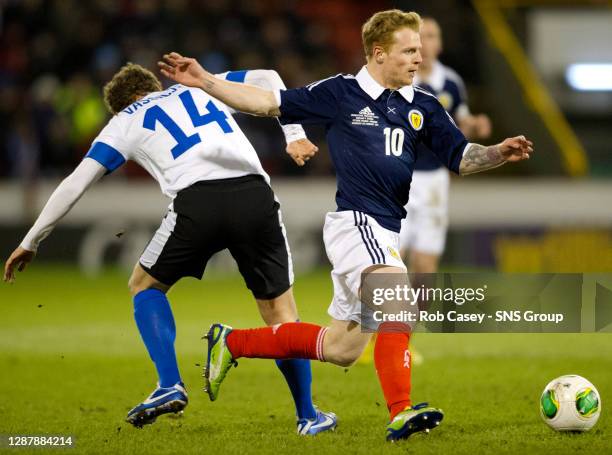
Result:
x=299 y=148
x=242 y=97
x=59 y=204
x=478 y=158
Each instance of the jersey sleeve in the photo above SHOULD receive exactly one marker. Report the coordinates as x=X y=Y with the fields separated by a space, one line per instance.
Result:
x=317 y=103
x=110 y=148
x=233 y=76
x=460 y=98
x=61 y=201
x=269 y=80
x=444 y=138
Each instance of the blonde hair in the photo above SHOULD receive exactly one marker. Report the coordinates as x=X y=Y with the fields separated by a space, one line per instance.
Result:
x=379 y=29
x=130 y=82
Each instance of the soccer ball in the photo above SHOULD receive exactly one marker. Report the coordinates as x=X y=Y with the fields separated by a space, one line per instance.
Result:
x=570 y=403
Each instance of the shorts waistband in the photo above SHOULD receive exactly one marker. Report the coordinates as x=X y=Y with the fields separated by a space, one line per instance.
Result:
x=229 y=184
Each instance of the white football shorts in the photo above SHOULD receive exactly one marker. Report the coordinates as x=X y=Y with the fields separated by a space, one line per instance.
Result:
x=424 y=228
x=354 y=242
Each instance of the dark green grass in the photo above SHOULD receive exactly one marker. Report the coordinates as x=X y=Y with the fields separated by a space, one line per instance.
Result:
x=75 y=365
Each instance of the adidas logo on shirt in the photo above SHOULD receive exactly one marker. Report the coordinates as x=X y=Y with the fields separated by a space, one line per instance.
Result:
x=365 y=117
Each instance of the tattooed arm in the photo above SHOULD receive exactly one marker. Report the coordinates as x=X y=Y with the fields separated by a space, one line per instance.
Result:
x=242 y=97
x=478 y=158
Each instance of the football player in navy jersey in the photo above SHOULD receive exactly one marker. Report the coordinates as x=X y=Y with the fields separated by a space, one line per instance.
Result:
x=375 y=121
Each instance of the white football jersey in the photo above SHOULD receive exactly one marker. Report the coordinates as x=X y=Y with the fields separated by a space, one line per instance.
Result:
x=180 y=136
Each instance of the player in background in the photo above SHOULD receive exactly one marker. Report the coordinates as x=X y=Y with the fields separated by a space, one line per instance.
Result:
x=374 y=122
x=423 y=232
x=221 y=198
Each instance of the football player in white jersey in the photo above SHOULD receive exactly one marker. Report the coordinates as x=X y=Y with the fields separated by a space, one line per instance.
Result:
x=221 y=198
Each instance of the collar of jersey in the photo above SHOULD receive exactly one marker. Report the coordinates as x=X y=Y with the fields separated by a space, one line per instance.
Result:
x=435 y=79
x=374 y=89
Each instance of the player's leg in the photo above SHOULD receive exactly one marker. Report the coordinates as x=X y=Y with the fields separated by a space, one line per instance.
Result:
x=340 y=343
x=155 y=323
x=278 y=309
x=424 y=228
x=423 y=234
x=297 y=372
x=352 y=275
x=258 y=243
x=391 y=351
x=173 y=252
x=392 y=356
x=423 y=262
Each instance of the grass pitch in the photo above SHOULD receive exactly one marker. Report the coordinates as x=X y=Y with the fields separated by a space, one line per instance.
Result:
x=72 y=363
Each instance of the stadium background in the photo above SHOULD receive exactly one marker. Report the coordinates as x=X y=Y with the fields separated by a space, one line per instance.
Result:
x=550 y=214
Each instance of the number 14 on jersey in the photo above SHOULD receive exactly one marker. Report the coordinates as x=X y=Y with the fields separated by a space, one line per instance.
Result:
x=183 y=142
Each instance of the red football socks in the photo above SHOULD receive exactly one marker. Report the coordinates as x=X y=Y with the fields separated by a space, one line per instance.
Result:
x=290 y=340
x=393 y=365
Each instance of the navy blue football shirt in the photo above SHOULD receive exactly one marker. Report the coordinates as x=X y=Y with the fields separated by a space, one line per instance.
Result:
x=448 y=87
x=373 y=133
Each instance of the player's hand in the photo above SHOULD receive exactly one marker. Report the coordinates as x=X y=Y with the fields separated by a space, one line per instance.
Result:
x=482 y=126
x=20 y=258
x=184 y=70
x=516 y=149
x=475 y=126
x=301 y=151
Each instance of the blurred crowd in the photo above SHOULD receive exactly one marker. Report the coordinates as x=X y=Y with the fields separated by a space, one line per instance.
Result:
x=56 y=55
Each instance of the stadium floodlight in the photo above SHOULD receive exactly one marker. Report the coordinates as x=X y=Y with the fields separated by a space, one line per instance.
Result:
x=590 y=76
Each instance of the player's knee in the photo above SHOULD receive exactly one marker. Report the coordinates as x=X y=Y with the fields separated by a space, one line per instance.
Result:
x=278 y=310
x=135 y=285
x=424 y=262
x=140 y=281
x=424 y=267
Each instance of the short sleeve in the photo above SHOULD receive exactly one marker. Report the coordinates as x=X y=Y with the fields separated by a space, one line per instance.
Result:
x=317 y=103
x=463 y=98
x=443 y=137
x=110 y=148
x=457 y=88
x=234 y=76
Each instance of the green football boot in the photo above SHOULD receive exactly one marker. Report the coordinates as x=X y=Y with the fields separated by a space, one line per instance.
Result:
x=219 y=359
x=411 y=420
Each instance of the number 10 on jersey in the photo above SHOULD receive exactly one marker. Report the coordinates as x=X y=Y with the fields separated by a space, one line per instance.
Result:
x=394 y=141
